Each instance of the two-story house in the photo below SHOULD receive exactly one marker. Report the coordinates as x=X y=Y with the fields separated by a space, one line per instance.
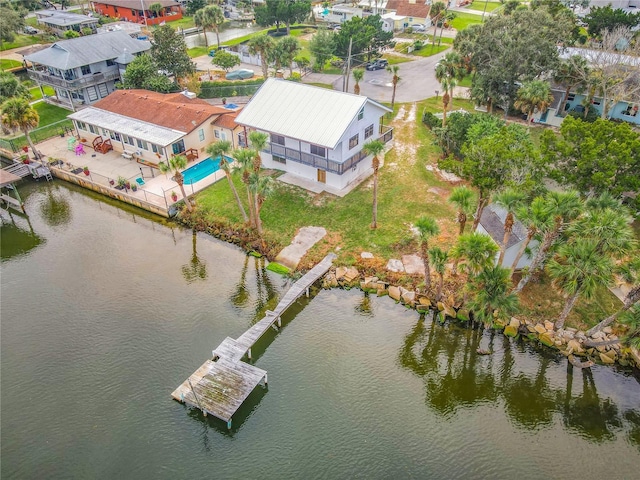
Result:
x=315 y=133
x=83 y=70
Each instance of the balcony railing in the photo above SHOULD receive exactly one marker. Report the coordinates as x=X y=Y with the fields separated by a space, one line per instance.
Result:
x=316 y=161
x=84 y=81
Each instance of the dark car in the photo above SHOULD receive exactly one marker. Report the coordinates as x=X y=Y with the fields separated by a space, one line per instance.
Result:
x=379 y=64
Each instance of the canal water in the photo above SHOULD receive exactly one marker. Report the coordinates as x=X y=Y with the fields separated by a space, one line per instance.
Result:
x=105 y=311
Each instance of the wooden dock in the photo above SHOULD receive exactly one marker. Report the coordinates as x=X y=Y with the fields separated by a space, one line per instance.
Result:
x=223 y=383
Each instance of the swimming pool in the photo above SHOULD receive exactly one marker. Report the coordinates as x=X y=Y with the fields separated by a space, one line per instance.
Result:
x=202 y=169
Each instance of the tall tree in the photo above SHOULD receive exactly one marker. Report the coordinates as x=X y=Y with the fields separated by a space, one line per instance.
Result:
x=476 y=251
x=560 y=208
x=438 y=260
x=142 y=72
x=175 y=165
x=578 y=269
x=600 y=19
x=17 y=114
x=395 y=78
x=244 y=159
x=533 y=216
x=490 y=296
x=288 y=48
x=510 y=199
x=365 y=35
x=375 y=148
x=194 y=5
x=533 y=95
x=594 y=157
x=221 y=149
x=201 y=20
x=358 y=75
x=451 y=66
x=11 y=22
x=275 y=12
x=170 y=52
x=631 y=319
x=11 y=86
x=258 y=141
x=572 y=73
x=156 y=8
x=427 y=228
x=447 y=84
x=261 y=187
x=215 y=17
x=463 y=198
x=322 y=46
x=262 y=45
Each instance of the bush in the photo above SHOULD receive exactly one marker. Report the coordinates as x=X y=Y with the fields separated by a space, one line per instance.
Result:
x=227 y=88
x=431 y=121
x=278 y=268
x=295 y=77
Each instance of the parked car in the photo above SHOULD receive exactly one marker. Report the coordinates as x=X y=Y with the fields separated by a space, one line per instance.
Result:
x=379 y=64
x=241 y=74
x=418 y=27
x=30 y=30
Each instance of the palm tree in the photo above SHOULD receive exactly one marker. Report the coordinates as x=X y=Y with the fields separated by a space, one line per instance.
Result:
x=438 y=260
x=533 y=216
x=572 y=73
x=374 y=147
x=155 y=8
x=221 y=149
x=216 y=18
x=258 y=141
x=510 y=199
x=451 y=66
x=491 y=299
x=630 y=272
x=578 y=269
x=463 y=198
x=535 y=94
x=609 y=227
x=358 y=75
x=476 y=250
x=632 y=320
x=201 y=20
x=245 y=159
x=559 y=209
x=447 y=84
x=174 y=165
x=289 y=48
x=262 y=45
x=261 y=187
x=427 y=228
x=17 y=114
x=393 y=70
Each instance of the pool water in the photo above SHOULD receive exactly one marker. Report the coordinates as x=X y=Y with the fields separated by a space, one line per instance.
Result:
x=202 y=170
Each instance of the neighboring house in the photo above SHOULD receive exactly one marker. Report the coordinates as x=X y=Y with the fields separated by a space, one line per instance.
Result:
x=83 y=70
x=337 y=13
x=492 y=224
x=151 y=127
x=131 y=29
x=411 y=11
x=373 y=7
x=132 y=10
x=59 y=21
x=315 y=133
x=226 y=128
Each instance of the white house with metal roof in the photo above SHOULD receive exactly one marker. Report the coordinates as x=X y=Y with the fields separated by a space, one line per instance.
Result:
x=315 y=133
x=83 y=70
x=60 y=21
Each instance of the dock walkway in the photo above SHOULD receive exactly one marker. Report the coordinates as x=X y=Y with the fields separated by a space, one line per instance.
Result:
x=223 y=383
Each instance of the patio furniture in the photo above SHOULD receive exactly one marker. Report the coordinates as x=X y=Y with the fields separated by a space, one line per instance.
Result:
x=71 y=144
x=140 y=181
x=127 y=155
x=79 y=150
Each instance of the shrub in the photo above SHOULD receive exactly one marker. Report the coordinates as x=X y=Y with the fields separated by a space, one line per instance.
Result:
x=431 y=121
x=278 y=268
x=227 y=88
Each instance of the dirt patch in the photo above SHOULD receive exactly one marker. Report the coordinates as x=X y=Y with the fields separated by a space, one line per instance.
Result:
x=404 y=125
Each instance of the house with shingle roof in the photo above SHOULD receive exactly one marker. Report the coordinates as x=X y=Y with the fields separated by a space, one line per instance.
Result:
x=402 y=14
x=316 y=134
x=492 y=224
x=151 y=126
x=139 y=11
x=83 y=70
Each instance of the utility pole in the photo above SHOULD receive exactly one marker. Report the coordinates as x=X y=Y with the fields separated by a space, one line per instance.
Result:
x=144 y=14
x=345 y=83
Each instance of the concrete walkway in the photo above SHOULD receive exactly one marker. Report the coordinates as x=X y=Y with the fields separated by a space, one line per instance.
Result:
x=306 y=238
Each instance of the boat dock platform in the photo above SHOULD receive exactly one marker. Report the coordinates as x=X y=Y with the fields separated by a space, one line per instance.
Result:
x=221 y=385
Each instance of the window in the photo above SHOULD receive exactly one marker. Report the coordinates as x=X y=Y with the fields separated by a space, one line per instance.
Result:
x=86 y=69
x=320 y=151
x=361 y=114
x=201 y=134
x=142 y=144
x=631 y=111
x=82 y=126
x=114 y=136
x=93 y=129
x=128 y=140
x=571 y=97
x=279 y=159
x=277 y=139
x=596 y=102
x=368 y=131
x=216 y=133
x=353 y=141
x=110 y=63
x=156 y=149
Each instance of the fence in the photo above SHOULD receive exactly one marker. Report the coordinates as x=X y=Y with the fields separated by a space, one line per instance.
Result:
x=37 y=135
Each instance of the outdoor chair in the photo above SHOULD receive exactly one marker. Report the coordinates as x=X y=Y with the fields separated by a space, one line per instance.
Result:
x=140 y=181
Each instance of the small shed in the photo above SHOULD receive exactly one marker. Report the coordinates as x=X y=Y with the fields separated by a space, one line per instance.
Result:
x=492 y=224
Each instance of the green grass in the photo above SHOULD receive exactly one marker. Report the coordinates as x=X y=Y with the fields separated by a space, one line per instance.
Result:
x=21 y=41
x=395 y=60
x=429 y=50
x=7 y=63
x=466 y=81
x=463 y=20
x=50 y=113
x=239 y=40
x=36 y=94
x=198 y=51
x=328 y=86
x=479 y=5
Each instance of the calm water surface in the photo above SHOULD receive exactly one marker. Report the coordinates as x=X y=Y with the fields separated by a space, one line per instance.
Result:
x=106 y=311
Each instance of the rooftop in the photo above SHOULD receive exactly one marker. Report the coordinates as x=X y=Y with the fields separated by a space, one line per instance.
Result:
x=409 y=8
x=146 y=3
x=63 y=18
x=492 y=220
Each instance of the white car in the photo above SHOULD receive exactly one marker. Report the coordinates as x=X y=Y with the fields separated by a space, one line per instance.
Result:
x=418 y=27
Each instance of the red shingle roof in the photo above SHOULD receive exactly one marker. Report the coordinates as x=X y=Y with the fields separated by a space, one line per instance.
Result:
x=172 y=110
x=227 y=121
x=417 y=9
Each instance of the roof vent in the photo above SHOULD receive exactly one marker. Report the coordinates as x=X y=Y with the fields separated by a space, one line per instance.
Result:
x=189 y=94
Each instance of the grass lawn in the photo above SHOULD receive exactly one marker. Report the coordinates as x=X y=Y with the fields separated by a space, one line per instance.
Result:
x=198 y=51
x=429 y=50
x=21 y=41
x=52 y=119
x=7 y=63
x=463 y=20
x=36 y=94
x=328 y=86
x=50 y=113
x=480 y=6
x=466 y=81
x=395 y=60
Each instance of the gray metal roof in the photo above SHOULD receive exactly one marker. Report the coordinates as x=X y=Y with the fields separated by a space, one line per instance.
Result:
x=76 y=52
x=129 y=126
x=492 y=219
x=63 y=19
x=304 y=112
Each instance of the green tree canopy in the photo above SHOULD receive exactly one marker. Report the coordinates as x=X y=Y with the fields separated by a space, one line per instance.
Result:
x=225 y=60
x=275 y=12
x=322 y=47
x=142 y=72
x=11 y=86
x=170 y=52
x=367 y=34
x=600 y=19
x=194 y=5
x=11 y=22
x=594 y=157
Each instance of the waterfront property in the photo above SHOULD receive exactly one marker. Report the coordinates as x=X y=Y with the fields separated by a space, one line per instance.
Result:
x=60 y=21
x=221 y=384
x=316 y=134
x=83 y=70
x=139 y=11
